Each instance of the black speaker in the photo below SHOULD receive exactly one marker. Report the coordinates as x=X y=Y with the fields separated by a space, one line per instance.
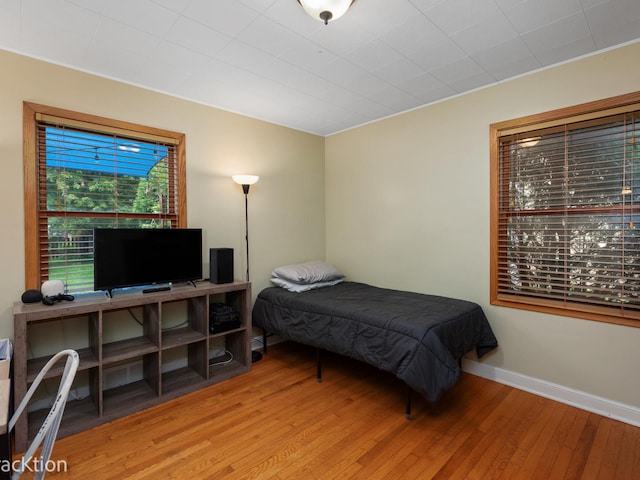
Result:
x=221 y=265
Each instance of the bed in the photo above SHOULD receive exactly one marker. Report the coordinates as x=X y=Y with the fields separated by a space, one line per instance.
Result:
x=417 y=337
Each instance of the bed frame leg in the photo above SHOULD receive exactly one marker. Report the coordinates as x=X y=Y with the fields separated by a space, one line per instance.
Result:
x=264 y=341
x=408 y=412
x=319 y=365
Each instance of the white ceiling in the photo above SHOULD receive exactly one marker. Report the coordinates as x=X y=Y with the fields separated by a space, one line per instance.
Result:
x=269 y=60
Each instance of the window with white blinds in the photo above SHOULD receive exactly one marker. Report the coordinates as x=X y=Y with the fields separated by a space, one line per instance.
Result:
x=566 y=211
x=94 y=173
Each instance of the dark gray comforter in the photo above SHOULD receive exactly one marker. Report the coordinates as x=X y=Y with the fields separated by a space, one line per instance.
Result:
x=419 y=338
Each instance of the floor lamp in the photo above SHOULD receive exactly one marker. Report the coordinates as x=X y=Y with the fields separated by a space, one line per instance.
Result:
x=246 y=181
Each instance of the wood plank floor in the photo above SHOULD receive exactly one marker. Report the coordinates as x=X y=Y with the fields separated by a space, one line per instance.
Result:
x=277 y=422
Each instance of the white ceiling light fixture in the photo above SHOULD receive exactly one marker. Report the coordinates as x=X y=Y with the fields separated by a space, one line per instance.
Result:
x=326 y=10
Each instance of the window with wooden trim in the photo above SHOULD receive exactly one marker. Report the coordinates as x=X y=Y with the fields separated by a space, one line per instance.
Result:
x=84 y=172
x=565 y=211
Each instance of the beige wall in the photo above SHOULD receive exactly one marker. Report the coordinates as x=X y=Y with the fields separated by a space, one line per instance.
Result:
x=286 y=206
x=408 y=207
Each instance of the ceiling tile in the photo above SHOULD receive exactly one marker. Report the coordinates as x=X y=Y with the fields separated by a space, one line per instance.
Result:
x=178 y=57
x=341 y=72
x=381 y=17
x=586 y=4
x=533 y=14
x=178 y=6
x=398 y=71
x=112 y=35
x=197 y=37
x=58 y=15
x=11 y=7
x=291 y=15
x=556 y=34
x=507 y=4
x=96 y=6
x=503 y=54
x=144 y=15
x=426 y=87
x=395 y=98
x=373 y=55
x=454 y=16
x=485 y=34
x=616 y=36
x=269 y=36
x=463 y=75
x=472 y=81
x=424 y=44
x=607 y=15
x=245 y=56
x=514 y=68
x=226 y=16
x=560 y=53
x=257 y=5
x=366 y=106
x=343 y=38
x=414 y=35
x=307 y=55
x=456 y=71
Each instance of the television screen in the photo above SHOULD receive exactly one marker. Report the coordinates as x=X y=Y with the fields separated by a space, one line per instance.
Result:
x=127 y=257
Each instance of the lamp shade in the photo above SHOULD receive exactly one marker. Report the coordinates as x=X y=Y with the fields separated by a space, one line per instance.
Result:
x=326 y=10
x=245 y=179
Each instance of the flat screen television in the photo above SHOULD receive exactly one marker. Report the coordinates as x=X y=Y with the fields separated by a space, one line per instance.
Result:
x=128 y=257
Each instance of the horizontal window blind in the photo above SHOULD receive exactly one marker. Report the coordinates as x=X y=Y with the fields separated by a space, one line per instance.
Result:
x=87 y=180
x=567 y=214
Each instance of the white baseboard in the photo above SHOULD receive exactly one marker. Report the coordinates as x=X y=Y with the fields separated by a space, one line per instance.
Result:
x=585 y=401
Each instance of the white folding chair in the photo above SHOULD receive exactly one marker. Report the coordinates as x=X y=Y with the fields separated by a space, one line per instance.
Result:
x=49 y=430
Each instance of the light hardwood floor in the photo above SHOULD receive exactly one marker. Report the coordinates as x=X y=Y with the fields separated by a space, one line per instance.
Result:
x=277 y=422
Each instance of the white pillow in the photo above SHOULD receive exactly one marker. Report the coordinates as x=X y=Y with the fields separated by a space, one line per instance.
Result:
x=308 y=272
x=303 y=287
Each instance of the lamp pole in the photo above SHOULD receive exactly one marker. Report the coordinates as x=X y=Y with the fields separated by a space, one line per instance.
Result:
x=245 y=189
x=246 y=181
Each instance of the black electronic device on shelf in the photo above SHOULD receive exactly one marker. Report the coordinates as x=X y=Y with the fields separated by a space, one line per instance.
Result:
x=128 y=257
x=223 y=318
x=52 y=299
